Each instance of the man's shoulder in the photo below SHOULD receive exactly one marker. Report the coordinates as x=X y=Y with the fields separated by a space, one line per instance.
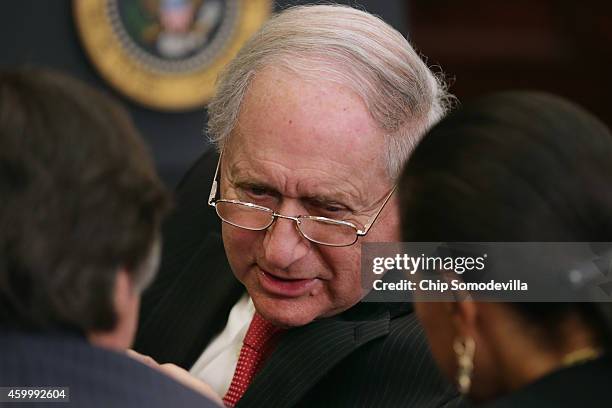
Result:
x=394 y=368
x=398 y=326
x=403 y=331
x=95 y=377
x=404 y=327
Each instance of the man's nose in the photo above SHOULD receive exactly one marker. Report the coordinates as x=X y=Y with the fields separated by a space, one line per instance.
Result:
x=283 y=243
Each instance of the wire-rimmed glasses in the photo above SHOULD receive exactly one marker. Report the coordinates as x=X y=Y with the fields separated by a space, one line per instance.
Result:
x=320 y=230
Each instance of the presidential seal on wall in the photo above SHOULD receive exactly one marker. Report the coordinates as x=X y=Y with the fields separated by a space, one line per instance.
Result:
x=166 y=54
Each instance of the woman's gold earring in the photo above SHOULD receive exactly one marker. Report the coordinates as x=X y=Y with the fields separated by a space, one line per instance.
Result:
x=465 y=348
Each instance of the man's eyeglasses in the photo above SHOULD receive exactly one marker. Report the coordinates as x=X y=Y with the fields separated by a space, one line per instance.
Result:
x=320 y=230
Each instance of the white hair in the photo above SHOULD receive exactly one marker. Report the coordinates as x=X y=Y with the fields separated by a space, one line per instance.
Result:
x=349 y=47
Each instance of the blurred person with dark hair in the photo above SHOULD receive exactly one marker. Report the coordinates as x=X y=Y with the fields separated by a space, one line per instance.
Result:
x=80 y=208
x=515 y=167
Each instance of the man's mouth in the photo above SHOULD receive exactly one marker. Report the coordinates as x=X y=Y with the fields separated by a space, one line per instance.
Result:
x=286 y=287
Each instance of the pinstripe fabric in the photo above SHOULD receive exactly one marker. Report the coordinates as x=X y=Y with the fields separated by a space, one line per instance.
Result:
x=184 y=310
x=97 y=378
x=373 y=359
x=373 y=355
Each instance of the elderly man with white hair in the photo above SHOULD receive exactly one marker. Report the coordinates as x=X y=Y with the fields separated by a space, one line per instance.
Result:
x=312 y=122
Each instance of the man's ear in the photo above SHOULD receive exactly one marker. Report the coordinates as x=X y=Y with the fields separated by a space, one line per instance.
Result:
x=125 y=303
x=124 y=292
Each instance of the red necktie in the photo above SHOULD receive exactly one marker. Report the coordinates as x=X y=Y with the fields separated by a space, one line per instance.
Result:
x=258 y=344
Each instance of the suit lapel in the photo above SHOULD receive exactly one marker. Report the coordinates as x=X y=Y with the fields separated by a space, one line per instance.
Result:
x=193 y=308
x=305 y=354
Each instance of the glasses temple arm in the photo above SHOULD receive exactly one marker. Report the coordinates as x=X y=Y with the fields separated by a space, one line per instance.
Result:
x=373 y=220
x=214 y=187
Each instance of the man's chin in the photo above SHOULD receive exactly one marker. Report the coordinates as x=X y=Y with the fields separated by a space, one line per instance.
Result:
x=286 y=312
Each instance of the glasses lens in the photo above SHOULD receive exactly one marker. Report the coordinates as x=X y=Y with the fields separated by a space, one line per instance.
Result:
x=327 y=232
x=244 y=216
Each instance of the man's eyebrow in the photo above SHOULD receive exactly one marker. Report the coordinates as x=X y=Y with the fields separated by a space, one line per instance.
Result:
x=324 y=199
x=317 y=198
x=254 y=184
x=337 y=199
x=320 y=199
x=242 y=180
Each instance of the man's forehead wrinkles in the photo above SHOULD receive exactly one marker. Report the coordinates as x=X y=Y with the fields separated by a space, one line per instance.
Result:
x=243 y=170
x=240 y=168
x=320 y=188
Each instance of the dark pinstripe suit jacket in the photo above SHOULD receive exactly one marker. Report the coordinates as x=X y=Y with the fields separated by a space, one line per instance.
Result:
x=374 y=355
x=97 y=378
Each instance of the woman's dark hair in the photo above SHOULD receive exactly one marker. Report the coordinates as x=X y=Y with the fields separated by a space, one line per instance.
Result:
x=515 y=167
x=79 y=198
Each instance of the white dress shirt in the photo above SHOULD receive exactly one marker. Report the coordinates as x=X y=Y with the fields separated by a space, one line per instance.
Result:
x=217 y=363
